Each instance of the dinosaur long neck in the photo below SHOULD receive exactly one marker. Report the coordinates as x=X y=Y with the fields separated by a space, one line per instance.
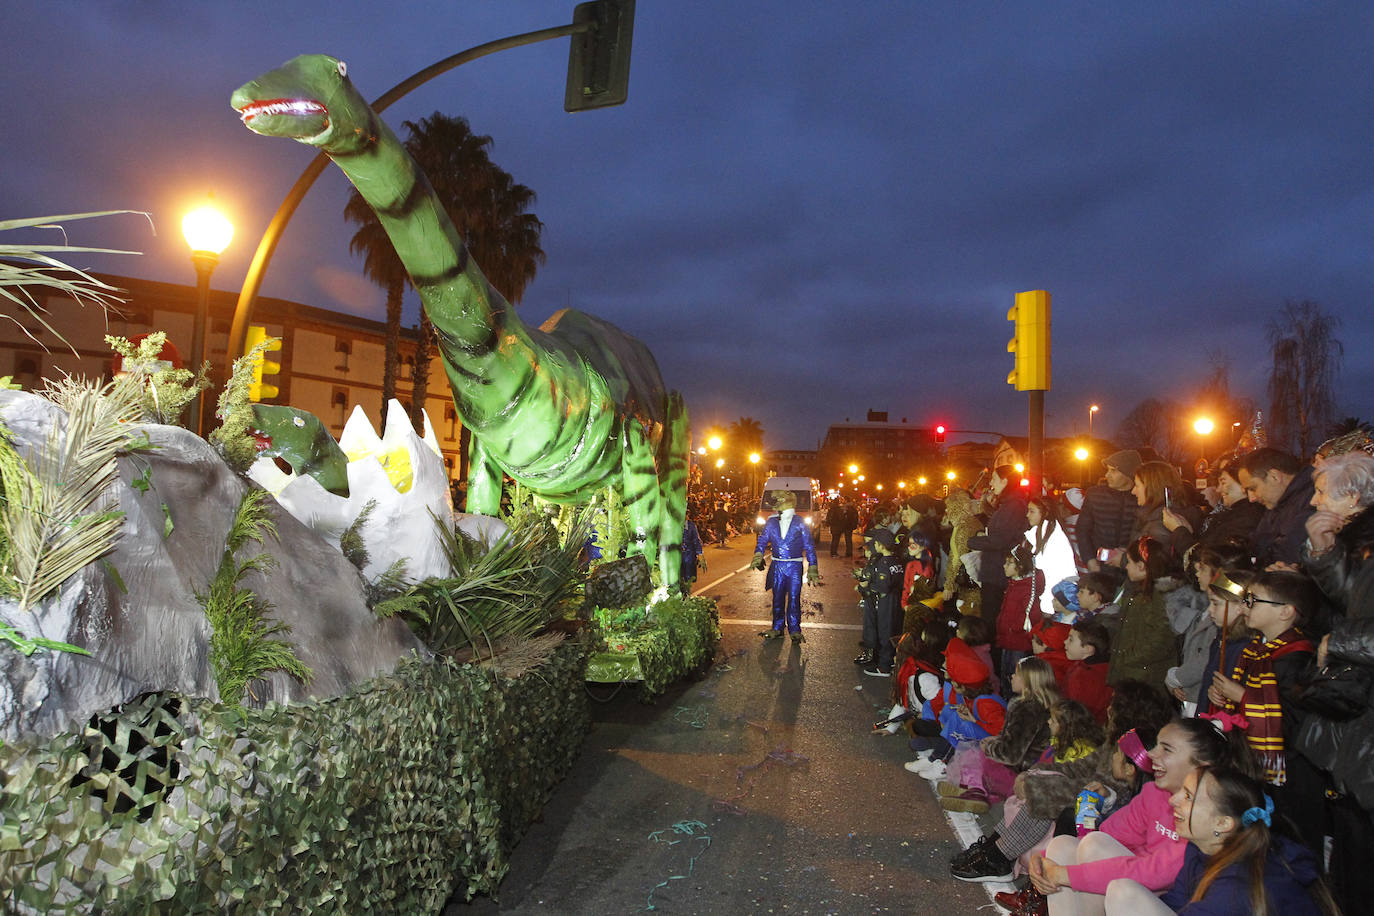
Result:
x=536 y=409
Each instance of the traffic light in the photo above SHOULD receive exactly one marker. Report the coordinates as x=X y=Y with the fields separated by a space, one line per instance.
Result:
x=940 y=434
x=599 y=58
x=257 y=334
x=1031 y=345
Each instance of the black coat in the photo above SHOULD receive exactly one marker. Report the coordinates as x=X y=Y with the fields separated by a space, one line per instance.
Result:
x=1282 y=530
x=1006 y=529
x=1346 y=576
x=1107 y=519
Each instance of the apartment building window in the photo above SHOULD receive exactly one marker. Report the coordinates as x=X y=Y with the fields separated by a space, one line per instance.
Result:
x=339 y=402
x=345 y=349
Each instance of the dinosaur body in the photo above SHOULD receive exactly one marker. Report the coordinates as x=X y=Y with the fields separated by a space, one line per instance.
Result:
x=566 y=410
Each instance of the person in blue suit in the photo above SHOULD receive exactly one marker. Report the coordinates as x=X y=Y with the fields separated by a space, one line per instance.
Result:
x=790 y=542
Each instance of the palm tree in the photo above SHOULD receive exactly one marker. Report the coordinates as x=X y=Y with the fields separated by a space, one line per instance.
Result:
x=382 y=266
x=486 y=206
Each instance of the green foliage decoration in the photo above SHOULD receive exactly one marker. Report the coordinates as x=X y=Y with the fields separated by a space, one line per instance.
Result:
x=166 y=391
x=671 y=639
x=24 y=267
x=56 y=514
x=381 y=801
x=527 y=579
x=241 y=643
x=233 y=438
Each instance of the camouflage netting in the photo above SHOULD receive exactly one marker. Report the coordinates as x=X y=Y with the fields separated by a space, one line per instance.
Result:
x=677 y=636
x=388 y=799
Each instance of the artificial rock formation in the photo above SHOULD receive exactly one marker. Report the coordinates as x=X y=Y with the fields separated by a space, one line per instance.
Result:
x=136 y=610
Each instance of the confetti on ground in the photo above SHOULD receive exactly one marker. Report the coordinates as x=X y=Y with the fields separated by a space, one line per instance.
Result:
x=694 y=831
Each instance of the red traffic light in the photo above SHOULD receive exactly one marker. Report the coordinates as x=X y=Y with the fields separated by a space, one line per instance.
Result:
x=940 y=433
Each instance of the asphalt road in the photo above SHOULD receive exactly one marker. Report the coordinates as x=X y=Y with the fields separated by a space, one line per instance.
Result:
x=758 y=788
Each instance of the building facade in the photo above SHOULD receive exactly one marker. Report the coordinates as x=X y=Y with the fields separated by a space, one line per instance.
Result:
x=330 y=361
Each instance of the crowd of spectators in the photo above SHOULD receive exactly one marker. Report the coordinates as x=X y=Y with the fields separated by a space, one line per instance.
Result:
x=1163 y=707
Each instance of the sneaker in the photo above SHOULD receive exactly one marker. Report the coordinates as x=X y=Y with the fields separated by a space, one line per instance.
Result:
x=968 y=854
x=974 y=801
x=771 y=634
x=933 y=770
x=864 y=658
x=877 y=670
x=988 y=865
x=915 y=766
x=798 y=637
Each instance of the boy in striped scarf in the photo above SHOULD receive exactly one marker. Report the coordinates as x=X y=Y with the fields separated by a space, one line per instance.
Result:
x=1260 y=687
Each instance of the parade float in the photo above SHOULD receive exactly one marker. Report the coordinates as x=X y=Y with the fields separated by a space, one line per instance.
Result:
x=267 y=670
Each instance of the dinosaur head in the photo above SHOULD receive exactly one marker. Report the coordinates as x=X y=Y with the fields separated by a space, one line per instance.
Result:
x=309 y=99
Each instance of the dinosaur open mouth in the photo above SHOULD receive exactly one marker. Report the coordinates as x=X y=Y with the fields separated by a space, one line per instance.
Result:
x=301 y=108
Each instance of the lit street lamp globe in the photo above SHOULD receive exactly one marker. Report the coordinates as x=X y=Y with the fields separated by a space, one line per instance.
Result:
x=1203 y=426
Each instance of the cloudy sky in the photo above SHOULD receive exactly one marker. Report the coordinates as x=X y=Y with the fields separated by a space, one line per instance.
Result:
x=806 y=209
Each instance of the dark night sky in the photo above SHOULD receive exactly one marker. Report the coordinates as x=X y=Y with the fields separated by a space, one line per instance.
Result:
x=806 y=209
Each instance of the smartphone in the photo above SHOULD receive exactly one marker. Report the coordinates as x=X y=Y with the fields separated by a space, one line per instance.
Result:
x=1168 y=499
x=1104 y=555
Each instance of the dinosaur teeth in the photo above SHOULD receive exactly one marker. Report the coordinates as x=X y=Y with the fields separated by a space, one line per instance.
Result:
x=299 y=107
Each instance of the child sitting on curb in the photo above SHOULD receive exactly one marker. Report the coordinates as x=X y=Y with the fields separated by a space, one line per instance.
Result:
x=965 y=710
x=986 y=772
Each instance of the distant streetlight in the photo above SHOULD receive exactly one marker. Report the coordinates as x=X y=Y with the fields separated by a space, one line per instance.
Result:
x=753 y=472
x=720 y=463
x=950 y=475
x=861 y=478
x=1203 y=426
x=921 y=481
x=1020 y=468
x=880 y=486
x=853 y=469
x=1081 y=453
x=1092 y=409
x=901 y=484
x=208 y=232
x=714 y=442
x=702 y=450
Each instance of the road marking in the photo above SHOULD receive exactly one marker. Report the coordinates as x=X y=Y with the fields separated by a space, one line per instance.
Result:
x=806 y=625
x=721 y=579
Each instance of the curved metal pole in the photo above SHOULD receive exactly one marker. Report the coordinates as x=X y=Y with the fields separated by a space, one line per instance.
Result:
x=252 y=282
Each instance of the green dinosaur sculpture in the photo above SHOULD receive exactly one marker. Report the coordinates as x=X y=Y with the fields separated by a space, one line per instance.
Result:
x=566 y=410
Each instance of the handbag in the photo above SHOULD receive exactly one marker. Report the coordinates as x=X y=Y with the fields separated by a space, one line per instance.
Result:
x=1339 y=691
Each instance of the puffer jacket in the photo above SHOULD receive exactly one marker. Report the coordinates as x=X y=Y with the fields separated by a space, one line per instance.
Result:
x=1345 y=748
x=1343 y=573
x=1282 y=530
x=1106 y=520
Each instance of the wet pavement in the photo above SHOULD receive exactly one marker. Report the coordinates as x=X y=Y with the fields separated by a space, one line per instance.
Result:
x=759 y=787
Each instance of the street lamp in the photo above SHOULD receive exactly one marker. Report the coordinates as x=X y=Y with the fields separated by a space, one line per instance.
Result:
x=921 y=481
x=1092 y=409
x=753 y=473
x=1081 y=454
x=1203 y=426
x=950 y=475
x=853 y=469
x=208 y=232
x=714 y=442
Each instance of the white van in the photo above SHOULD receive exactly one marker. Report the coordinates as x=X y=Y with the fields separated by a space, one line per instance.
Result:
x=806 y=489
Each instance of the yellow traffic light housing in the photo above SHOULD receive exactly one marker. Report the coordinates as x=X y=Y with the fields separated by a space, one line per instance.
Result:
x=1031 y=345
x=260 y=390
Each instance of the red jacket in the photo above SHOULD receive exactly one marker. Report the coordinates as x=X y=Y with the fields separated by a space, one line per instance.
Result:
x=1058 y=661
x=1086 y=682
x=1020 y=599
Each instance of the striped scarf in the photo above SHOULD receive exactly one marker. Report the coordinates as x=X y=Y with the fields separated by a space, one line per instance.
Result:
x=1261 y=705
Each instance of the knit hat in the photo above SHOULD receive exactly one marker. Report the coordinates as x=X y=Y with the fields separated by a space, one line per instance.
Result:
x=962 y=665
x=1052 y=634
x=1126 y=461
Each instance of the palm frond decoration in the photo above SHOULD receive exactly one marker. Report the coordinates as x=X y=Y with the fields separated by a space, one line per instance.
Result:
x=233 y=438
x=242 y=646
x=527 y=579
x=23 y=267
x=166 y=391
x=51 y=522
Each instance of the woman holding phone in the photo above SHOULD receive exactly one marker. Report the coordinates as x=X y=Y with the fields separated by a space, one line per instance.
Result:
x=1159 y=488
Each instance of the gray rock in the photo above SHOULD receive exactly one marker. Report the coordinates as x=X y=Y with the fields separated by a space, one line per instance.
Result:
x=151 y=634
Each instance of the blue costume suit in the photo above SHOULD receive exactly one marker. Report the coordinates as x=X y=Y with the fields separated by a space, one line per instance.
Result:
x=786 y=571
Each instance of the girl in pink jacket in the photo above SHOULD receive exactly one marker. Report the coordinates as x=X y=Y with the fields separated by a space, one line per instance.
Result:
x=1139 y=841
